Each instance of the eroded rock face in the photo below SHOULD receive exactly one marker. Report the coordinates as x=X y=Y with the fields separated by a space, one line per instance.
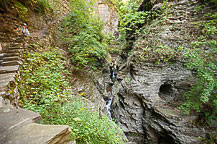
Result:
x=142 y=104
x=146 y=95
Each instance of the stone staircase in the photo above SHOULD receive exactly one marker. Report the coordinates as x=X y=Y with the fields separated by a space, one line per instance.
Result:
x=17 y=125
x=20 y=126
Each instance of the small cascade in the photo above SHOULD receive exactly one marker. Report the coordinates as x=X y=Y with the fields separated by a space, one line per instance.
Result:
x=113 y=73
x=109 y=89
x=108 y=106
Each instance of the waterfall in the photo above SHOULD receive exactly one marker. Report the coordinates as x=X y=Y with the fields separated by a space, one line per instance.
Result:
x=109 y=89
x=108 y=106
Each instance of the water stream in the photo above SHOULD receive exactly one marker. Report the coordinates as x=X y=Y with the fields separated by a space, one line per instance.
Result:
x=108 y=106
x=109 y=89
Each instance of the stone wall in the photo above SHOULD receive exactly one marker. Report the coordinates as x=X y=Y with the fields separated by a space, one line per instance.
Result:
x=109 y=16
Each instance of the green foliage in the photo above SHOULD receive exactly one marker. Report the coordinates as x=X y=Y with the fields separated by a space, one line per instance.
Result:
x=202 y=97
x=21 y=9
x=45 y=89
x=88 y=127
x=159 y=53
x=209 y=139
x=209 y=29
x=82 y=31
x=42 y=6
x=202 y=59
x=44 y=3
x=199 y=8
x=129 y=16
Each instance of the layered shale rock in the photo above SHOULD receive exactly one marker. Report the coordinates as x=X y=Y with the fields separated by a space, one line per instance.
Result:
x=147 y=93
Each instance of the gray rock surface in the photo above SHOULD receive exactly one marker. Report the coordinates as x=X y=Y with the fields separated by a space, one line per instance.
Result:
x=39 y=134
x=140 y=105
x=147 y=94
x=9 y=69
x=109 y=16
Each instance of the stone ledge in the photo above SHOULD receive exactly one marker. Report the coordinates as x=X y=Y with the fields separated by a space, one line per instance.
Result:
x=39 y=134
x=9 y=69
x=12 y=119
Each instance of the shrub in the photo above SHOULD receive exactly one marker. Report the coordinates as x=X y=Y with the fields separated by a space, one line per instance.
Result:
x=82 y=32
x=202 y=96
x=21 y=9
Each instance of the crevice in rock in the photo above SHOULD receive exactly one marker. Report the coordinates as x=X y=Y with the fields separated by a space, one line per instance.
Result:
x=167 y=91
x=135 y=137
x=165 y=139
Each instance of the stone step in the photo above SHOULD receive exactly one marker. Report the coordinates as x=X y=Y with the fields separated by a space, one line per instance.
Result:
x=1 y=56
x=2 y=101
x=39 y=134
x=9 y=69
x=11 y=63
x=15 y=47
x=2 y=94
x=14 y=44
x=12 y=119
x=4 y=89
x=71 y=142
x=15 y=58
x=11 y=54
x=4 y=84
x=13 y=50
x=7 y=76
x=18 y=40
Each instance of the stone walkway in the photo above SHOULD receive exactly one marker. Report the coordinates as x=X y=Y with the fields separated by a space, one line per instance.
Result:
x=17 y=125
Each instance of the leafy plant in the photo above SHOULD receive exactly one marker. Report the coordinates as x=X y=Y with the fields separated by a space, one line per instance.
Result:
x=209 y=29
x=82 y=32
x=199 y=8
x=42 y=6
x=202 y=96
x=209 y=139
x=87 y=126
x=21 y=9
x=202 y=60
x=129 y=16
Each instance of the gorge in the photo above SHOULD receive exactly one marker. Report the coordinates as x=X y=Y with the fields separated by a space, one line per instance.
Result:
x=97 y=68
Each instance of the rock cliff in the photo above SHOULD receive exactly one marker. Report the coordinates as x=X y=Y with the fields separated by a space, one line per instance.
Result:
x=146 y=95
